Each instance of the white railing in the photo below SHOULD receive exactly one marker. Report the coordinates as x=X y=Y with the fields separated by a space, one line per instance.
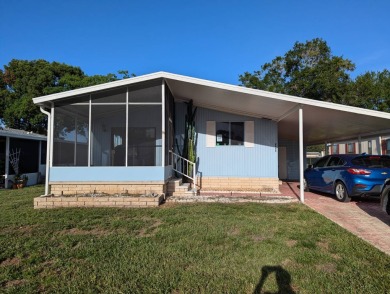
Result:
x=184 y=167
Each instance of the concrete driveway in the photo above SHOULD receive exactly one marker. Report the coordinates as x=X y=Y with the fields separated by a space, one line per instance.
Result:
x=362 y=217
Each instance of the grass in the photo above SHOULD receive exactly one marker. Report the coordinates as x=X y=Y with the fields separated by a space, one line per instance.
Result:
x=197 y=248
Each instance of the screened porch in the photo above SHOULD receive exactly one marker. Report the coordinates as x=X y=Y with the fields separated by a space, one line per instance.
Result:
x=126 y=127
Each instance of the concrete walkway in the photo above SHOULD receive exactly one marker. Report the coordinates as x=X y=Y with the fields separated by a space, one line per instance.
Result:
x=362 y=217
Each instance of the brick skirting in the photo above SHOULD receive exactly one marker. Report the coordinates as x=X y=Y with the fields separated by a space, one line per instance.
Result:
x=107 y=188
x=270 y=185
x=99 y=201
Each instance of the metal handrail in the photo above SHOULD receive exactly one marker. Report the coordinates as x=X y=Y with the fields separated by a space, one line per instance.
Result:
x=184 y=166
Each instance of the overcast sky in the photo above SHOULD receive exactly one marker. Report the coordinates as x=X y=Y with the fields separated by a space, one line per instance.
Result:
x=215 y=40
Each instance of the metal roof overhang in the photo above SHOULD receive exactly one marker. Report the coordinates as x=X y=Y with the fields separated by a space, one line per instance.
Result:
x=322 y=121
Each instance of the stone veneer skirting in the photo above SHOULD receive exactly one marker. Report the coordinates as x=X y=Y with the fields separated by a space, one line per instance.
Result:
x=74 y=188
x=100 y=201
x=238 y=184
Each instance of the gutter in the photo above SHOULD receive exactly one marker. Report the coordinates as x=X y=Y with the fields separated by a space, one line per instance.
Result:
x=48 y=146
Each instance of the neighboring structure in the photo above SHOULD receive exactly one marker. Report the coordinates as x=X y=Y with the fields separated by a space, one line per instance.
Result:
x=378 y=144
x=312 y=157
x=126 y=136
x=32 y=155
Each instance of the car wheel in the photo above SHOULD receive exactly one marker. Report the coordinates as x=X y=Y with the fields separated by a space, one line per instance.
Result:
x=341 y=192
x=305 y=187
x=385 y=203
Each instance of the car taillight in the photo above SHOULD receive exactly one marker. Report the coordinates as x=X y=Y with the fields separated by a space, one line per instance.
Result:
x=358 y=171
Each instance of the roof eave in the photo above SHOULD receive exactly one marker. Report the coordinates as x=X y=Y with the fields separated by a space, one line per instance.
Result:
x=43 y=100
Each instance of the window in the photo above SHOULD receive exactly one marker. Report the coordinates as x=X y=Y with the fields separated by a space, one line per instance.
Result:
x=229 y=133
x=321 y=162
x=335 y=161
x=372 y=161
x=350 y=148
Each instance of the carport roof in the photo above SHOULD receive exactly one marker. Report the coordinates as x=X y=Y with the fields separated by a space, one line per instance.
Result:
x=322 y=121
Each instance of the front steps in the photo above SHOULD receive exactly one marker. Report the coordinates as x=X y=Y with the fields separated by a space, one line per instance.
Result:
x=176 y=187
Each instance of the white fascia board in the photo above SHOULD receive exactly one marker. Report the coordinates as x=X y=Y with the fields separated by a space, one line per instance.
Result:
x=217 y=85
x=100 y=87
x=36 y=137
x=278 y=96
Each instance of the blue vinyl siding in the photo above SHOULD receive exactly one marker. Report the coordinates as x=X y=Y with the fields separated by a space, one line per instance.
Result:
x=233 y=161
x=110 y=174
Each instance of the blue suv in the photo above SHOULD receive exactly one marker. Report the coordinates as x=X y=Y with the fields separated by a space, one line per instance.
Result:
x=348 y=175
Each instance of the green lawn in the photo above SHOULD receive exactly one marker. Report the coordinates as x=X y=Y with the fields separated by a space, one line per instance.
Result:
x=199 y=248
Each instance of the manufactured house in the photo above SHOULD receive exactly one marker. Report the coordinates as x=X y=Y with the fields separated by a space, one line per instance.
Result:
x=29 y=148
x=129 y=135
x=376 y=144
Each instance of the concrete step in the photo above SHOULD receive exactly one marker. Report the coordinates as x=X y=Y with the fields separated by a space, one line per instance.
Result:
x=183 y=187
x=178 y=188
x=175 y=182
x=184 y=193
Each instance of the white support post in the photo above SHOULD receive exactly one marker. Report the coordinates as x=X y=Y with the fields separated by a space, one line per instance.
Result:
x=49 y=147
x=51 y=136
x=89 y=131
x=379 y=148
x=301 y=156
x=75 y=143
x=359 y=144
x=6 y=174
x=127 y=127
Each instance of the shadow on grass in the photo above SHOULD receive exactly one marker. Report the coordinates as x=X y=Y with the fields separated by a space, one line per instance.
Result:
x=283 y=279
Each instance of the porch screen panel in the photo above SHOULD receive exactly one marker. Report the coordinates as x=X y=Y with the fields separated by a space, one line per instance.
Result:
x=29 y=155
x=70 y=140
x=149 y=92
x=144 y=135
x=43 y=152
x=169 y=123
x=108 y=132
x=110 y=96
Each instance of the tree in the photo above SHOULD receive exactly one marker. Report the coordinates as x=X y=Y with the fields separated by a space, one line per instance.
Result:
x=22 y=80
x=307 y=70
x=371 y=90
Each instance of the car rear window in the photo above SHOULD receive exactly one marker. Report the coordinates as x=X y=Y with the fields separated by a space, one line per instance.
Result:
x=372 y=161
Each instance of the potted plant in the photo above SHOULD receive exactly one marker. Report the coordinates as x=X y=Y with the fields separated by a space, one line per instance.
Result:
x=20 y=181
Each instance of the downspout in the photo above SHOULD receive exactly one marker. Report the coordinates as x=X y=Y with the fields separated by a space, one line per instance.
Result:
x=48 y=146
